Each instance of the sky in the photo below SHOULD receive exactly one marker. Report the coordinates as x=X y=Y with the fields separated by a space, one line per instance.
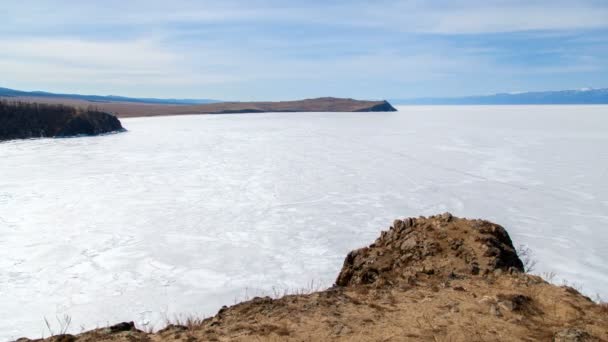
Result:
x=281 y=50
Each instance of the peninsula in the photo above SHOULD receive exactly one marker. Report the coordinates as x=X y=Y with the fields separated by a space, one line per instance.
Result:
x=323 y=104
x=127 y=107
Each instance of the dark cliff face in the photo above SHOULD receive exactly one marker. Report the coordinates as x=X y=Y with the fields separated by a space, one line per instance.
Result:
x=385 y=106
x=30 y=120
x=90 y=123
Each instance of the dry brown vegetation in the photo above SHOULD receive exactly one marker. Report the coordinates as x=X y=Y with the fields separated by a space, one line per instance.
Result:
x=130 y=109
x=425 y=279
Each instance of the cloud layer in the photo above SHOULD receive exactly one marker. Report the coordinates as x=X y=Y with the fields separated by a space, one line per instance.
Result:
x=279 y=50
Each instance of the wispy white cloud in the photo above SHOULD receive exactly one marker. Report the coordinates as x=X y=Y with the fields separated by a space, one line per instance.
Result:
x=449 y=17
x=73 y=64
x=131 y=54
x=235 y=49
x=486 y=17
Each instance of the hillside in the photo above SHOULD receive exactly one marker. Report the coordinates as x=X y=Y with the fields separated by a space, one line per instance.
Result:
x=440 y=278
x=127 y=109
x=581 y=96
x=6 y=92
x=20 y=120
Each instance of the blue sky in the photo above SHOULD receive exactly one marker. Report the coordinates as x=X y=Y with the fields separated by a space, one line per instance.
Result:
x=277 y=50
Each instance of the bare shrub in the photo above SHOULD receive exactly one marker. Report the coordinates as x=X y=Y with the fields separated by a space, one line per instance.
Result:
x=189 y=321
x=63 y=325
x=548 y=276
x=527 y=258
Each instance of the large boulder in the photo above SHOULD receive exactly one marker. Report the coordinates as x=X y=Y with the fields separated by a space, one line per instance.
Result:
x=414 y=249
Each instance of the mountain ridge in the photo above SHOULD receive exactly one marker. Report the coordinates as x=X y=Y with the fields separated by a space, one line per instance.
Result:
x=8 y=92
x=572 y=96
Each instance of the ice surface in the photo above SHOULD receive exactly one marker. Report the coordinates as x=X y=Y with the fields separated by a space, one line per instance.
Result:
x=182 y=215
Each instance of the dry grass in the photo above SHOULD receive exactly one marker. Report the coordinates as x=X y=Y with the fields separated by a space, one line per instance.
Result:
x=63 y=325
x=188 y=321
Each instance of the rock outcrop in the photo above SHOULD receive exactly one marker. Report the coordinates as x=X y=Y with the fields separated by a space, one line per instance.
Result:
x=440 y=278
x=383 y=106
x=443 y=246
x=30 y=120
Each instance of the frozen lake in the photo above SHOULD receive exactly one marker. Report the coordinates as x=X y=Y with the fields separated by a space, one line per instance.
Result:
x=182 y=215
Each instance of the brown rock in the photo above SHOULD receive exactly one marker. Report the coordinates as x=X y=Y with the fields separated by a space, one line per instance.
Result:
x=447 y=217
x=398 y=225
x=572 y=335
x=424 y=247
x=124 y=326
x=513 y=302
x=408 y=244
x=494 y=311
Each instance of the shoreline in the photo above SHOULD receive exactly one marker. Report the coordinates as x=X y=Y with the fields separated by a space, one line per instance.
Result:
x=435 y=278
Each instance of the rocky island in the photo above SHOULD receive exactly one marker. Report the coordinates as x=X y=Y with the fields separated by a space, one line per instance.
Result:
x=440 y=278
x=20 y=120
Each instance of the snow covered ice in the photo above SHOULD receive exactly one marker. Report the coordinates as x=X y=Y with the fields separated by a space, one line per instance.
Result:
x=184 y=214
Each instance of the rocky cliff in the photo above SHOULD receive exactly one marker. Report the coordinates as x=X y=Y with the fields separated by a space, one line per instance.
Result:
x=382 y=106
x=440 y=278
x=30 y=120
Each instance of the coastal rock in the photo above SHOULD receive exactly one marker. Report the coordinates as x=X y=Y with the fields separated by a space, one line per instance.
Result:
x=90 y=123
x=384 y=106
x=20 y=120
x=459 y=247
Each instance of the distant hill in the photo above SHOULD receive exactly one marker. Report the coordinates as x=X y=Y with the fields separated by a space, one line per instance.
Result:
x=581 y=96
x=324 y=104
x=6 y=92
x=131 y=107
